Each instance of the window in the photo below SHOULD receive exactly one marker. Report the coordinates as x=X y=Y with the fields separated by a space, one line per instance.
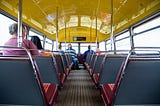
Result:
x=148 y=25
x=148 y=38
x=85 y=21
x=5 y=22
x=48 y=44
x=73 y=21
x=123 y=41
x=108 y=45
x=102 y=46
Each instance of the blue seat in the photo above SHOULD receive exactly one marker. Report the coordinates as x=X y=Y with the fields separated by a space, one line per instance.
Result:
x=140 y=84
x=19 y=84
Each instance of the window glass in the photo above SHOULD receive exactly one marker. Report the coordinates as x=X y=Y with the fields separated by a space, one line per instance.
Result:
x=148 y=25
x=5 y=22
x=102 y=46
x=48 y=44
x=123 y=44
x=73 y=21
x=108 y=45
x=85 y=21
x=123 y=41
x=123 y=35
x=98 y=23
x=148 y=39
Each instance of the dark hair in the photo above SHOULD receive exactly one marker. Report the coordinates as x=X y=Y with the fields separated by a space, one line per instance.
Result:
x=89 y=47
x=13 y=28
x=36 y=41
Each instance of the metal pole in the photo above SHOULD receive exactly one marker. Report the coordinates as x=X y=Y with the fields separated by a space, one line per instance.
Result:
x=44 y=41
x=91 y=32
x=131 y=37
x=96 y=34
x=111 y=36
x=19 y=23
x=56 y=28
x=105 y=45
x=52 y=45
x=65 y=35
x=79 y=45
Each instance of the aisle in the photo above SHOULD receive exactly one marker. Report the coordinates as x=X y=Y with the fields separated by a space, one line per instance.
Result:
x=79 y=90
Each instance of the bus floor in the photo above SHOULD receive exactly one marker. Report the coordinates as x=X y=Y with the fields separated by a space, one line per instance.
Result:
x=79 y=90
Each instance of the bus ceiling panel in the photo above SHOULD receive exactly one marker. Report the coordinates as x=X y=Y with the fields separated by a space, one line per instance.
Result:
x=41 y=14
x=132 y=11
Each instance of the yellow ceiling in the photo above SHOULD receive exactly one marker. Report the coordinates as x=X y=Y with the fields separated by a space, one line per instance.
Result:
x=79 y=16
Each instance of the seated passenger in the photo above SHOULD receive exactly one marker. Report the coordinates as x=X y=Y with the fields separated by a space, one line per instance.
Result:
x=36 y=40
x=13 y=41
x=60 y=51
x=72 y=52
x=89 y=51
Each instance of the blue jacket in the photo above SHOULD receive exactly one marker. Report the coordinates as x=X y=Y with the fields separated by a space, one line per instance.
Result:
x=84 y=56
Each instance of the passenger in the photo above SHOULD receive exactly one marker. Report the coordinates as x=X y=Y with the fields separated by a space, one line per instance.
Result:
x=13 y=29
x=60 y=51
x=89 y=51
x=72 y=52
x=36 y=40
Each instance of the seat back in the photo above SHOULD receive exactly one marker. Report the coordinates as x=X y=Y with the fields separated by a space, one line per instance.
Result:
x=111 y=67
x=48 y=69
x=64 y=59
x=94 y=58
x=18 y=83
x=140 y=84
x=98 y=63
x=88 y=58
x=60 y=63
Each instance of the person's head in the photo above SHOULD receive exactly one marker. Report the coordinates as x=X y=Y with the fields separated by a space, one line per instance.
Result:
x=13 y=30
x=89 y=47
x=69 y=46
x=59 y=46
x=36 y=41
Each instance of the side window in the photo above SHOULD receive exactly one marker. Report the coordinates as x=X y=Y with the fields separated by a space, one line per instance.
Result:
x=48 y=44
x=147 y=34
x=123 y=41
x=5 y=22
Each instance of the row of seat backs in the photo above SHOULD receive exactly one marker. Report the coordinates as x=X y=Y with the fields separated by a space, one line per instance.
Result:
x=20 y=83
x=91 y=61
x=66 y=61
x=139 y=83
x=107 y=66
x=88 y=60
x=134 y=82
x=52 y=68
x=60 y=63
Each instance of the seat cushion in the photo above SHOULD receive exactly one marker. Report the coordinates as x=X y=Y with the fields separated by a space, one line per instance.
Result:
x=96 y=78
x=107 y=93
x=51 y=91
